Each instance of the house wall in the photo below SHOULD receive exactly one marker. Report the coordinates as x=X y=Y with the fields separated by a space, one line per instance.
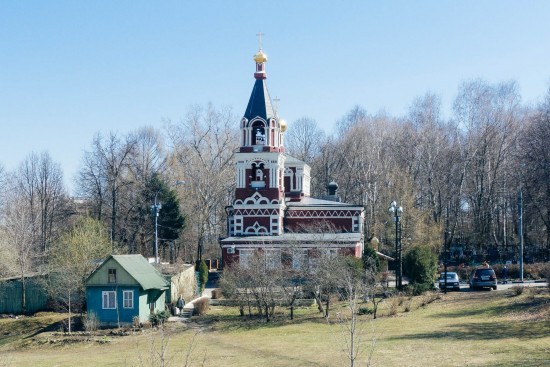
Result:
x=184 y=284
x=101 y=275
x=112 y=316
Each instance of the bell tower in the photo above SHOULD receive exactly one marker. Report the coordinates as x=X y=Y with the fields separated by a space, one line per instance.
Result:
x=259 y=195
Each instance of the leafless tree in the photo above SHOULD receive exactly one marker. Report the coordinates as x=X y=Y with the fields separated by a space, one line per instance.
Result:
x=353 y=286
x=533 y=165
x=303 y=139
x=39 y=183
x=203 y=149
x=104 y=176
x=487 y=114
x=20 y=241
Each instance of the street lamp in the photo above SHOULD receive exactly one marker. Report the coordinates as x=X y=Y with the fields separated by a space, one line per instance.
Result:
x=155 y=209
x=396 y=211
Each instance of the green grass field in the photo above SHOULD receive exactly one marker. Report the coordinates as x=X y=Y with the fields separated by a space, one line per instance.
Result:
x=458 y=329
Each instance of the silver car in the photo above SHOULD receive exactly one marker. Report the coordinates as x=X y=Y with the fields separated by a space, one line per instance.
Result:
x=453 y=281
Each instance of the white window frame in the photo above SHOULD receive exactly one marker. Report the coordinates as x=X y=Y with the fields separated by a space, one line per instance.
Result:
x=128 y=299
x=108 y=298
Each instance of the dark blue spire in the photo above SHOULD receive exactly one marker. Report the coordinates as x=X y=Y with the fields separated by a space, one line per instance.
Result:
x=259 y=104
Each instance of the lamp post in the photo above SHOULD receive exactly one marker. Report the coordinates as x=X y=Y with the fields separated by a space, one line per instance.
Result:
x=396 y=211
x=155 y=209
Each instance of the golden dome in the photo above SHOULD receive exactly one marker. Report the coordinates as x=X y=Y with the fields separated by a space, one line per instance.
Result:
x=282 y=123
x=260 y=57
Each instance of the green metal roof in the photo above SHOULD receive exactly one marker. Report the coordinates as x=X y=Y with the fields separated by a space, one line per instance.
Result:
x=144 y=273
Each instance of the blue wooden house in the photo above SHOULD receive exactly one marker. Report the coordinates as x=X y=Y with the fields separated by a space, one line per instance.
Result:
x=125 y=287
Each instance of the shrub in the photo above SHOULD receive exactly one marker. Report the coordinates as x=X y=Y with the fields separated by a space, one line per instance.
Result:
x=159 y=318
x=91 y=323
x=545 y=273
x=370 y=259
x=203 y=274
x=201 y=306
x=365 y=311
x=429 y=297
x=420 y=265
x=408 y=304
x=517 y=290
x=216 y=293
x=393 y=305
x=416 y=289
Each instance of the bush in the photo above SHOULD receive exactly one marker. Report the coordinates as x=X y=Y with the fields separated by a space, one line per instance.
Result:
x=159 y=318
x=216 y=293
x=201 y=306
x=91 y=323
x=365 y=311
x=545 y=273
x=394 y=303
x=416 y=289
x=517 y=290
x=420 y=265
x=370 y=259
x=429 y=297
x=203 y=275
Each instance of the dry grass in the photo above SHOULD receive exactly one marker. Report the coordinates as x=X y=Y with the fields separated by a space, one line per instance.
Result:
x=446 y=332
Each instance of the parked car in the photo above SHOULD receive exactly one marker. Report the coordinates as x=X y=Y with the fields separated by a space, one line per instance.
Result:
x=483 y=278
x=453 y=281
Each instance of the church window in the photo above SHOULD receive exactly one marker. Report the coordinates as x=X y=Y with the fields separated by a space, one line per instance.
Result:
x=245 y=258
x=299 y=257
x=272 y=259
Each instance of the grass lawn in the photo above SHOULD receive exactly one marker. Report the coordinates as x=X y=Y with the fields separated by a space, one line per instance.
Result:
x=459 y=329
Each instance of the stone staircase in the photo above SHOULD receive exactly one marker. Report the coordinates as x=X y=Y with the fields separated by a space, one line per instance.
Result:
x=187 y=312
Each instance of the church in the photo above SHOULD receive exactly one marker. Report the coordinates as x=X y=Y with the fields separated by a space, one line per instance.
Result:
x=273 y=213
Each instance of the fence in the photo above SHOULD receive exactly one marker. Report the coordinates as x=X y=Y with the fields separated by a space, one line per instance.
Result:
x=11 y=300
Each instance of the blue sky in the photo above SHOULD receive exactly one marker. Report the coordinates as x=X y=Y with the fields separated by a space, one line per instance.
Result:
x=70 y=69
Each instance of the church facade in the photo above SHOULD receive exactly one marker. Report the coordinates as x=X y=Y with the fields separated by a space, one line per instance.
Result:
x=273 y=212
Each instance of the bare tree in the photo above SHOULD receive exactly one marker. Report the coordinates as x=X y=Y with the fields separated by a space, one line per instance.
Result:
x=39 y=182
x=303 y=139
x=19 y=240
x=533 y=167
x=203 y=146
x=488 y=115
x=104 y=176
x=353 y=286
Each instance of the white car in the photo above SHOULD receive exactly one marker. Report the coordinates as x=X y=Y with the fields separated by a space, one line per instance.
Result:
x=453 y=281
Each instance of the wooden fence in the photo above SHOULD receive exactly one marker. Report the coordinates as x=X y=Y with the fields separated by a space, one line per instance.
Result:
x=10 y=296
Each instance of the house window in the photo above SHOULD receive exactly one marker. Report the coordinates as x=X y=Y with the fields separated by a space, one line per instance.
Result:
x=245 y=258
x=109 y=300
x=331 y=253
x=272 y=259
x=299 y=258
x=128 y=299
x=112 y=276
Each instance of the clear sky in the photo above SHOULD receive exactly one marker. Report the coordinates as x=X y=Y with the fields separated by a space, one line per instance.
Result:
x=69 y=69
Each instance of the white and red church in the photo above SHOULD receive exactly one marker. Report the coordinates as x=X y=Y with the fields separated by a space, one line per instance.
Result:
x=272 y=211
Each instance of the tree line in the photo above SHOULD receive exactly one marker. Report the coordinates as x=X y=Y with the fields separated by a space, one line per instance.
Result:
x=457 y=179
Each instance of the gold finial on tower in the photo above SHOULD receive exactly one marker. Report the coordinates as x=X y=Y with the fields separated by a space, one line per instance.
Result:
x=260 y=57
